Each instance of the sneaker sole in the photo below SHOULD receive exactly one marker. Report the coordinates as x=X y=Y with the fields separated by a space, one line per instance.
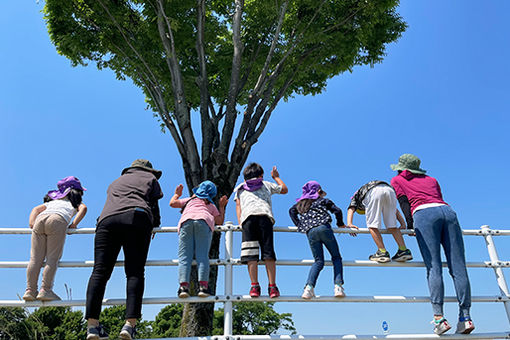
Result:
x=254 y=296
x=381 y=260
x=274 y=296
x=339 y=296
x=203 y=295
x=307 y=297
x=29 y=298
x=443 y=331
x=184 y=295
x=403 y=258
x=48 y=299
x=466 y=331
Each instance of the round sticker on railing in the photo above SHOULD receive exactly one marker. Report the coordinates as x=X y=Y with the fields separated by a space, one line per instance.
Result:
x=385 y=327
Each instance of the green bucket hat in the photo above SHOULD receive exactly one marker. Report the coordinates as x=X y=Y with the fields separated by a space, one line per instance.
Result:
x=145 y=165
x=408 y=162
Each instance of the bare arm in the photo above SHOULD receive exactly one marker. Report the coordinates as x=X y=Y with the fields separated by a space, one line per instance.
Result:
x=276 y=176
x=175 y=197
x=34 y=213
x=218 y=220
x=238 y=211
x=350 y=215
x=82 y=210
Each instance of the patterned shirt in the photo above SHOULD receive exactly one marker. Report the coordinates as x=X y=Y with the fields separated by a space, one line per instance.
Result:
x=317 y=215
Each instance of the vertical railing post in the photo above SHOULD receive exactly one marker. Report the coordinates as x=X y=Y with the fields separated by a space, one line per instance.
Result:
x=227 y=308
x=500 y=276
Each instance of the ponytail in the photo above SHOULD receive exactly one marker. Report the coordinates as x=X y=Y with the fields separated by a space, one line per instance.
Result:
x=75 y=196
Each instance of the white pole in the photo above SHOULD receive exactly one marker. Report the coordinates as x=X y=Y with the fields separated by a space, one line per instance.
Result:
x=500 y=276
x=227 y=306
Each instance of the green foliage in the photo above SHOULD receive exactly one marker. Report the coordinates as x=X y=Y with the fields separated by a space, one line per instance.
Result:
x=14 y=324
x=168 y=321
x=255 y=318
x=60 y=323
x=318 y=40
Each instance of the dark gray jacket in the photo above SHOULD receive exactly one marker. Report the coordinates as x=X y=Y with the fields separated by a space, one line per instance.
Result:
x=136 y=188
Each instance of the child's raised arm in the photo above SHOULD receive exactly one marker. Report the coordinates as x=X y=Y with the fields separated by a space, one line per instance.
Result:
x=34 y=213
x=276 y=176
x=218 y=220
x=82 y=210
x=178 y=193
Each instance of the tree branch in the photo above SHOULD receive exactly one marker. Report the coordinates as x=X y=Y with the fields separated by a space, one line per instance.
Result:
x=231 y=112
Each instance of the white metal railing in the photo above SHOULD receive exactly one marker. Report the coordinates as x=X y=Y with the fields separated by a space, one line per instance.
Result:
x=228 y=298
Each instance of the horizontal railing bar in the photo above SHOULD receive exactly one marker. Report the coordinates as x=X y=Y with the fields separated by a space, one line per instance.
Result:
x=237 y=262
x=472 y=232
x=478 y=336
x=247 y=298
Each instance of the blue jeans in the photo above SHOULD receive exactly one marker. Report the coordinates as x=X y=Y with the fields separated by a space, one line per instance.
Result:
x=436 y=227
x=317 y=237
x=194 y=239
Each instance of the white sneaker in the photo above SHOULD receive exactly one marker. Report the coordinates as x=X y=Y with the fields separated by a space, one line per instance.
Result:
x=339 y=291
x=308 y=293
x=47 y=295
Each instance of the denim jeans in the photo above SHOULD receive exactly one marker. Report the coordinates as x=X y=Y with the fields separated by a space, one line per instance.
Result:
x=194 y=239
x=317 y=237
x=436 y=227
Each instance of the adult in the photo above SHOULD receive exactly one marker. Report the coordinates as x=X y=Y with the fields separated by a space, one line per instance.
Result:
x=436 y=225
x=129 y=214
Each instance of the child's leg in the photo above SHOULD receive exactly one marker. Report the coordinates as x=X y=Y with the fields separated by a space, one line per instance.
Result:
x=267 y=247
x=186 y=250
x=397 y=235
x=389 y=209
x=314 y=240
x=376 y=235
x=329 y=240
x=250 y=246
x=56 y=228
x=37 y=253
x=203 y=236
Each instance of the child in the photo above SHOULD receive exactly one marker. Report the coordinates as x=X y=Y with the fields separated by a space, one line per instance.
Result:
x=254 y=213
x=373 y=199
x=310 y=215
x=436 y=225
x=199 y=215
x=49 y=222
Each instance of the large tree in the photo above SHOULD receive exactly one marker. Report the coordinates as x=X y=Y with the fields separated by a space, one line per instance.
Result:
x=230 y=62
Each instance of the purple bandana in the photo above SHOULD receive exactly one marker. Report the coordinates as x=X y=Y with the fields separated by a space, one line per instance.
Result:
x=253 y=184
x=310 y=191
x=64 y=187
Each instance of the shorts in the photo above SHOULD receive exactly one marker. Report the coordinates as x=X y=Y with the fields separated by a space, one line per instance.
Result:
x=257 y=233
x=381 y=200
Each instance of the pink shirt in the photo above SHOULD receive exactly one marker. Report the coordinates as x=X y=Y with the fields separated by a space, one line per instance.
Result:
x=197 y=209
x=419 y=189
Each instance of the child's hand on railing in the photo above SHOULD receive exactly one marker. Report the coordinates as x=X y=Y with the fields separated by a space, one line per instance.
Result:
x=350 y=226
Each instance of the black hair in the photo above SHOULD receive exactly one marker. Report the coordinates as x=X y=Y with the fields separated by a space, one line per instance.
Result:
x=74 y=197
x=47 y=198
x=253 y=170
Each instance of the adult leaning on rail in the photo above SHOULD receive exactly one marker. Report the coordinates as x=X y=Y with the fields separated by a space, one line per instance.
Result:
x=129 y=214
x=436 y=225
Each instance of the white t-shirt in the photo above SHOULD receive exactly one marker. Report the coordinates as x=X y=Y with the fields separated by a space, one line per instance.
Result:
x=256 y=202
x=62 y=207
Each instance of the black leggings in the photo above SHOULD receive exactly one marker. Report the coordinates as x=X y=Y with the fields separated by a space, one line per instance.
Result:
x=132 y=231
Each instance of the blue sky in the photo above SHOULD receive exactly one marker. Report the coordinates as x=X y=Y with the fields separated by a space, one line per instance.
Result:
x=441 y=93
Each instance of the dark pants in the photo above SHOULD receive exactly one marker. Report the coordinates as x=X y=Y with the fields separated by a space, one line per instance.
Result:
x=436 y=227
x=319 y=237
x=132 y=232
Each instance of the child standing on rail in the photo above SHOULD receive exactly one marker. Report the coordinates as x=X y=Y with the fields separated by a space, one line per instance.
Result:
x=199 y=215
x=254 y=213
x=311 y=215
x=49 y=223
x=374 y=199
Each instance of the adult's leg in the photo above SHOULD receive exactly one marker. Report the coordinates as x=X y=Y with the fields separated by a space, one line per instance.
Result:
x=37 y=253
x=186 y=249
x=202 y=238
x=454 y=250
x=314 y=240
x=106 y=250
x=329 y=240
x=136 y=246
x=428 y=225
x=56 y=228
